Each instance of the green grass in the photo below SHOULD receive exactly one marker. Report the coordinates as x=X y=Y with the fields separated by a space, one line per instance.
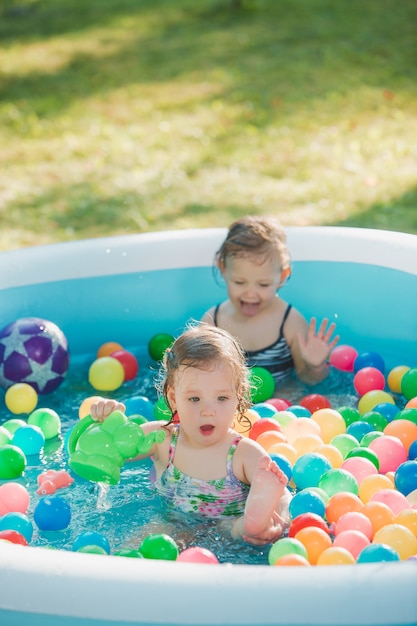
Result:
x=136 y=115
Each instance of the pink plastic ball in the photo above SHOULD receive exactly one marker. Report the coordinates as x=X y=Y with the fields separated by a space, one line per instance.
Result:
x=197 y=555
x=353 y=541
x=14 y=498
x=354 y=520
x=394 y=499
x=368 y=379
x=343 y=358
x=390 y=451
x=360 y=467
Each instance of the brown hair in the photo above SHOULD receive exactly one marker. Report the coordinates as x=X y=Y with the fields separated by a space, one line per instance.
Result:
x=202 y=345
x=255 y=236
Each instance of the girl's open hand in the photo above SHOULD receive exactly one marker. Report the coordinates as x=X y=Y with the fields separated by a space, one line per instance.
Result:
x=316 y=348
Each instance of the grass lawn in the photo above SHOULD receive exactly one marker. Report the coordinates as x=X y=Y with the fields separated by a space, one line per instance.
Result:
x=121 y=116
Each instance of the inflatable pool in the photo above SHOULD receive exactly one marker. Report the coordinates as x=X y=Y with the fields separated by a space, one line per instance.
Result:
x=364 y=280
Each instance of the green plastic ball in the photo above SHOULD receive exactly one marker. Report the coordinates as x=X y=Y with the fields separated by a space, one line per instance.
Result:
x=12 y=462
x=47 y=420
x=159 y=546
x=409 y=384
x=262 y=384
x=158 y=344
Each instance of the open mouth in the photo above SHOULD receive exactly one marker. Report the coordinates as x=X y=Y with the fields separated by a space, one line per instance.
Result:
x=206 y=429
x=249 y=308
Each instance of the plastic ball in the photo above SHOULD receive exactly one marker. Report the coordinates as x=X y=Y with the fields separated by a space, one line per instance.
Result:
x=409 y=384
x=379 y=514
x=369 y=359
x=197 y=555
x=352 y=540
x=398 y=537
x=47 y=420
x=344 y=443
x=21 y=398
x=279 y=404
x=371 y=398
x=91 y=538
x=368 y=437
x=406 y=477
x=412 y=403
x=262 y=384
x=242 y=424
x=315 y=401
x=407 y=518
x=269 y=438
x=299 y=411
x=395 y=377
x=315 y=541
x=390 y=451
x=13 y=424
x=132 y=554
x=408 y=413
x=377 y=553
x=375 y=419
x=284 y=546
x=299 y=427
x=107 y=348
x=307 y=520
x=308 y=469
x=336 y=556
x=139 y=405
x=360 y=467
x=337 y=480
x=12 y=462
x=388 y=410
x=306 y=444
x=332 y=454
x=264 y=409
x=372 y=484
x=331 y=423
x=364 y=453
x=85 y=405
x=396 y=501
x=13 y=536
x=92 y=549
x=306 y=501
x=263 y=425
x=354 y=520
x=161 y=409
x=359 y=429
x=368 y=379
x=52 y=513
x=342 y=357
x=14 y=498
x=349 y=414
x=158 y=344
x=285 y=450
x=159 y=546
x=106 y=374
x=5 y=436
x=33 y=351
x=18 y=522
x=30 y=439
x=128 y=361
x=284 y=418
x=412 y=451
x=292 y=559
x=341 y=503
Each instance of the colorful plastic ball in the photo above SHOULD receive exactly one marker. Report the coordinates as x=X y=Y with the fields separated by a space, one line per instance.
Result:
x=368 y=437
x=406 y=477
x=352 y=540
x=264 y=409
x=14 y=498
x=242 y=424
x=368 y=379
x=263 y=425
x=132 y=554
x=129 y=363
x=139 y=405
x=375 y=419
x=284 y=546
x=299 y=427
x=308 y=469
x=409 y=384
x=398 y=537
x=315 y=401
x=285 y=450
x=290 y=560
x=13 y=536
x=331 y=423
x=12 y=462
x=365 y=453
x=332 y=454
x=344 y=443
x=107 y=348
x=284 y=418
x=197 y=555
x=34 y=351
x=370 y=399
x=404 y=430
x=159 y=546
x=337 y=480
x=390 y=451
x=360 y=467
x=106 y=374
x=279 y=404
x=30 y=439
x=307 y=444
x=349 y=414
x=407 y=518
x=269 y=438
x=21 y=398
x=379 y=514
x=158 y=344
x=341 y=503
x=91 y=538
x=47 y=420
x=315 y=541
x=412 y=451
x=354 y=520
x=342 y=357
x=299 y=411
x=396 y=501
x=411 y=403
x=161 y=410
x=92 y=549
x=85 y=405
x=359 y=429
x=377 y=553
x=13 y=424
x=408 y=413
x=336 y=556
x=18 y=522
x=262 y=384
x=52 y=513
x=372 y=484
x=387 y=409
x=369 y=359
x=306 y=501
x=5 y=436
x=395 y=377
x=283 y=463
x=307 y=520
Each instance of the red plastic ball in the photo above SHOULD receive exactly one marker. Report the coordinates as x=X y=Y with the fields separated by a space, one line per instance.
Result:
x=368 y=379
x=315 y=402
x=128 y=362
x=343 y=358
x=280 y=404
x=262 y=425
x=13 y=536
x=306 y=520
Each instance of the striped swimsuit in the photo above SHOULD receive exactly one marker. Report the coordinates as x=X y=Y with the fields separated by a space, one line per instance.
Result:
x=276 y=358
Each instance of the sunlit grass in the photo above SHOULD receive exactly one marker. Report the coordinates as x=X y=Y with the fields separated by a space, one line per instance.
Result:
x=128 y=116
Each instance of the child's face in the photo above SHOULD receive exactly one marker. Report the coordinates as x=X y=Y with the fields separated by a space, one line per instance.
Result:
x=251 y=285
x=206 y=402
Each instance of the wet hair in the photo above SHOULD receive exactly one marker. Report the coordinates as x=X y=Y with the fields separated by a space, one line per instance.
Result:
x=255 y=237
x=201 y=346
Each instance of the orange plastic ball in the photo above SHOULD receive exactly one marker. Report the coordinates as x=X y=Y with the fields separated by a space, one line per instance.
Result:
x=299 y=427
x=379 y=513
x=286 y=450
x=341 y=503
x=315 y=540
x=411 y=404
x=269 y=438
x=407 y=518
x=293 y=559
x=244 y=424
x=107 y=348
x=332 y=454
x=86 y=404
x=404 y=430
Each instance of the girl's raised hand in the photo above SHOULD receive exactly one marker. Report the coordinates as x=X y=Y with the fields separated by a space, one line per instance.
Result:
x=316 y=347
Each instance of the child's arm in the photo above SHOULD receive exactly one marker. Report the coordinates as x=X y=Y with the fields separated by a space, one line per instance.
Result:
x=208 y=317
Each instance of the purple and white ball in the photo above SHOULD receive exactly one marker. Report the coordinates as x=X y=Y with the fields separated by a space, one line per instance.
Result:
x=33 y=351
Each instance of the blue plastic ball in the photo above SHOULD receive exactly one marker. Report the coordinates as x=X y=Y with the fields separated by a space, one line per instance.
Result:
x=264 y=409
x=18 y=522
x=139 y=405
x=369 y=359
x=91 y=538
x=299 y=411
x=306 y=501
x=309 y=468
x=283 y=463
x=359 y=429
x=412 y=451
x=405 y=478
x=377 y=552
x=52 y=513
x=388 y=410
x=30 y=439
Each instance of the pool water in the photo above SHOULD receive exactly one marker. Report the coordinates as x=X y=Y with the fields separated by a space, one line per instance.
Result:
x=129 y=511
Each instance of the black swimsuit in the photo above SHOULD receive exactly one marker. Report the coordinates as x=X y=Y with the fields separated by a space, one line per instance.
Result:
x=276 y=358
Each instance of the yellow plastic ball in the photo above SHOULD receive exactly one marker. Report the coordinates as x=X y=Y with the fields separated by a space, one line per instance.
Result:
x=336 y=556
x=86 y=404
x=399 y=537
x=331 y=423
x=395 y=376
x=106 y=374
x=21 y=398
x=370 y=399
